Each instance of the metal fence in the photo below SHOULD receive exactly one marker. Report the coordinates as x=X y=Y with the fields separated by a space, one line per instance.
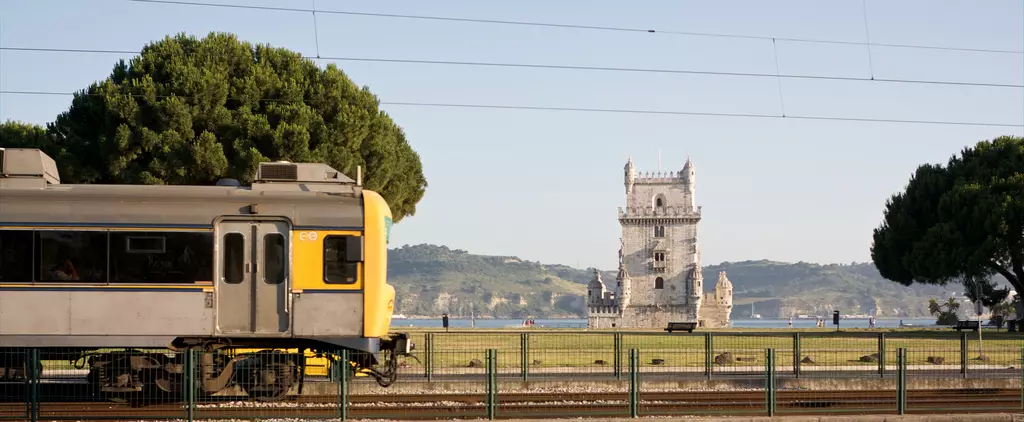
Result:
x=502 y=374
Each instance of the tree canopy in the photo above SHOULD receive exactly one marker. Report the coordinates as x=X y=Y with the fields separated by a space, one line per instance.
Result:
x=960 y=222
x=192 y=111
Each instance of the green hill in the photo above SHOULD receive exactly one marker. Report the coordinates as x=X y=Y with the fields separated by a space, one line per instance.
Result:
x=433 y=279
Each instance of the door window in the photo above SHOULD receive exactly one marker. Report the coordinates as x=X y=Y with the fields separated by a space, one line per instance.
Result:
x=274 y=258
x=234 y=257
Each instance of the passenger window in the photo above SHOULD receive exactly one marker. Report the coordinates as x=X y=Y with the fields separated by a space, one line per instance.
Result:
x=154 y=257
x=72 y=256
x=337 y=268
x=15 y=255
x=234 y=257
x=274 y=258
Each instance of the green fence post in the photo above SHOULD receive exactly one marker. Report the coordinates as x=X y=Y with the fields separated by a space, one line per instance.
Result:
x=343 y=386
x=617 y=361
x=188 y=384
x=428 y=363
x=769 y=367
x=634 y=383
x=26 y=356
x=524 y=354
x=796 y=355
x=901 y=381
x=492 y=383
x=708 y=354
x=881 y=355
x=963 y=354
x=34 y=374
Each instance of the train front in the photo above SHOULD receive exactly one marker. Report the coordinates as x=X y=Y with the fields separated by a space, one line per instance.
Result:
x=378 y=295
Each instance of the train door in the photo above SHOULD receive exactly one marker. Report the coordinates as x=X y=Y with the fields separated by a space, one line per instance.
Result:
x=252 y=290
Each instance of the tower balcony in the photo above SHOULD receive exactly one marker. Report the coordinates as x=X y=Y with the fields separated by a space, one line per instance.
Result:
x=660 y=212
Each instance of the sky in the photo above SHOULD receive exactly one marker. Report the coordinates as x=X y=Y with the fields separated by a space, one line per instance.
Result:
x=545 y=185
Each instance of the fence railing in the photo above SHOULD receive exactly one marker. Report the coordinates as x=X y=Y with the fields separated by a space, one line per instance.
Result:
x=541 y=374
x=805 y=354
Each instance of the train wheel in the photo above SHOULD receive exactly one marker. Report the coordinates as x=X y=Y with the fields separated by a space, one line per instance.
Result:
x=267 y=376
x=123 y=376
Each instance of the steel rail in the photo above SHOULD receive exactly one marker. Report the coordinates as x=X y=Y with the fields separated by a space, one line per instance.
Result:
x=428 y=406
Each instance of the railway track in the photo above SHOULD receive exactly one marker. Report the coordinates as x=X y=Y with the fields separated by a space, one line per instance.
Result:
x=433 y=406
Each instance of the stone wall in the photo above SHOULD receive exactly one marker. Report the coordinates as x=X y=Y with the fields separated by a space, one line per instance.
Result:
x=653 y=317
x=602 y=321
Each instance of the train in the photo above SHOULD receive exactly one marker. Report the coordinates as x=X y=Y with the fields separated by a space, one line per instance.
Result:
x=132 y=282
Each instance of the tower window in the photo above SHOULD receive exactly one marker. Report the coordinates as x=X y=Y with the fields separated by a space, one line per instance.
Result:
x=659 y=201
x=659 y=231
x=659 y=283
x=659 y=256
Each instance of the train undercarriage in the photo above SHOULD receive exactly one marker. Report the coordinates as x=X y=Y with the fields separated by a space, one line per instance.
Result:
x=263 y=374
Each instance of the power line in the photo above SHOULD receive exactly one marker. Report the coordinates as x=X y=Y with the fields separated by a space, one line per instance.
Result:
x=576 y=67
x=573 y=26
x=579 y=109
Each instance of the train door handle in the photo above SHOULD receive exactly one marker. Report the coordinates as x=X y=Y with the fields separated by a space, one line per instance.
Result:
x=247 y=268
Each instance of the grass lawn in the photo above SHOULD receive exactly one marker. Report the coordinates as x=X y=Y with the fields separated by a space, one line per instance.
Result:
x=578 y=348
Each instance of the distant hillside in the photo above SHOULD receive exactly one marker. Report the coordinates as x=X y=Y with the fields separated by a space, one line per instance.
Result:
x=432 y=279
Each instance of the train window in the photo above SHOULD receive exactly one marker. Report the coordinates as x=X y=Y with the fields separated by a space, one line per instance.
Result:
x=72 y=256
x=234 y=257
x=339 y=267
x=15 y=256
x=175 y=257
x=274 y=258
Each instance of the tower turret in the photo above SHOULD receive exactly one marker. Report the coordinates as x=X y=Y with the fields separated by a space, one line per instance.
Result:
x=695 y=279
x=723 y=290
x=630 y=175
x=623 y=283
x=595 y=289
x=689 y=175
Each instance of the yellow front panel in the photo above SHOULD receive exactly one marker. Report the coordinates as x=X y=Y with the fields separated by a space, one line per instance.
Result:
x=308 y=261
x=378 y=296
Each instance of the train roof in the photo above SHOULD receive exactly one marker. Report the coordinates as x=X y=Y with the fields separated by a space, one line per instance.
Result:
x=309 y=194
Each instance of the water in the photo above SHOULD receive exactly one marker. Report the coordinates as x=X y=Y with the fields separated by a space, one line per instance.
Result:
x=736 y=323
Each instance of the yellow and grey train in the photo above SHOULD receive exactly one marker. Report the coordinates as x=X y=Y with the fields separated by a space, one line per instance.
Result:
x=294 y=265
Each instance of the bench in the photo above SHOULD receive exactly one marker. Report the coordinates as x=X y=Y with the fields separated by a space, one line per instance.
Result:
x=966 y=325
x=681 y=326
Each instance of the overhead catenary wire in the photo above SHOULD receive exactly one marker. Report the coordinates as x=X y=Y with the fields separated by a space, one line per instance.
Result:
x=581 y=109
x=573 y=67
x=576 y=26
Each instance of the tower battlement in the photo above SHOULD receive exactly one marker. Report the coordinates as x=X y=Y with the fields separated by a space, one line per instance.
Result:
x=677 y=211
x=660 y=177
x=604 y=310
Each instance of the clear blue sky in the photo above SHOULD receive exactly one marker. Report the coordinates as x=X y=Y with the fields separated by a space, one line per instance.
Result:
x=545 y=185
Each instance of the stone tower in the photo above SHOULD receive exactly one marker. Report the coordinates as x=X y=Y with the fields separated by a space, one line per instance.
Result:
x=660 y=277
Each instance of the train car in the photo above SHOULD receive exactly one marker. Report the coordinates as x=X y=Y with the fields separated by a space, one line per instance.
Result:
x=294 y=264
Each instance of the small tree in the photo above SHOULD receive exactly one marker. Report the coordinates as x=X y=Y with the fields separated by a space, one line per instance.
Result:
x=1005 y=309
x=947 y=316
